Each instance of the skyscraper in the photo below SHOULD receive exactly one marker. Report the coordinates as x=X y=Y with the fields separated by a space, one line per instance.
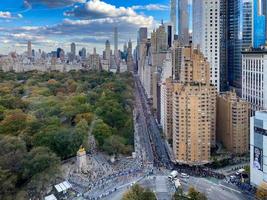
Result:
x=264 y=6
x=206 y=34
x=259 y=22
x=107 y=50
x=116 y=41
x=169 y=33
x=173 y=15
x=142 y=34
x=29 y=51
x=130 y=63
x=183 y=21
x=246 y=28
x=73 y=49
x=158 y=40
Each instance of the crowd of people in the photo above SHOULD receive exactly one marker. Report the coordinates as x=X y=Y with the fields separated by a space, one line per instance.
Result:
x=198 y=171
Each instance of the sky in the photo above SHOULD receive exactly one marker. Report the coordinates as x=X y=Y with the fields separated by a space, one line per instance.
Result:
x=50 y=24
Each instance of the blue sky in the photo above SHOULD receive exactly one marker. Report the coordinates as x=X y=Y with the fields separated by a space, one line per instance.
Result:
x=56 y=23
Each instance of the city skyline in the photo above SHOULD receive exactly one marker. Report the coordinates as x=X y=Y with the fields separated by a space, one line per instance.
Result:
x=88 y=23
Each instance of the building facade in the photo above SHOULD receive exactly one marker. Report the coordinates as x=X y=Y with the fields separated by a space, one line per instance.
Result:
x=254 y=78
x=246 y=29
x=183 y=21
x=193 y=115
x=258 y=148
x=259 y=22
x=173 y=15
x=206 y=34
x=190 y=65
x=116 y=50
x=94 y=61
x=166 y=108
x=233 y=123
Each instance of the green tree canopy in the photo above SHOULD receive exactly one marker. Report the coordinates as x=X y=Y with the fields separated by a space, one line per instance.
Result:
x=138 y=193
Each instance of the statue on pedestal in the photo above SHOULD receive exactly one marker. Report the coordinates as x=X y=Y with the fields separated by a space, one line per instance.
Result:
x=82 y=160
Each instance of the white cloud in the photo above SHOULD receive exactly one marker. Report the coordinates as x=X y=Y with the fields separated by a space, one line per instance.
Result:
x=95 y=9
x=5 y=15
x=25 y=36
x=151 y=7
x=20 y=16
x=8 y=15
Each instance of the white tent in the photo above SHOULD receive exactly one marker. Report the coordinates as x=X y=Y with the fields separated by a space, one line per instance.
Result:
x=50 y=197
x=61 y=187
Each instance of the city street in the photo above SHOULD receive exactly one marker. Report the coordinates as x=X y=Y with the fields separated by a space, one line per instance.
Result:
x=150 y=168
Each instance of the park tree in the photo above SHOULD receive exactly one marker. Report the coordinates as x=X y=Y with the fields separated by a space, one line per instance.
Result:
x=115 y=145
x=179 y=195
x=138 y=193
x=88 y=117
x=40 y=167
x=196 y=195
x=12 y=152
x=101 y=131
x=14 y=122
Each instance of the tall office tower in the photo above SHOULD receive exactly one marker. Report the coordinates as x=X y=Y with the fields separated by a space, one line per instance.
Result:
x=169 y=29
x=254 y=78
x=239 y=22
x=107 y=50
x=233 y=123
x=94 y=61
x=183 y=21
x=158 y=40
x=116 y=41
x=73 y=49
x=125 y=47
x=193 y=115
x=142 y=34
x=144 y=66
x=264 y=6
x=130 y=63
x=258 y=149
x=83 y=53
x=141 y=37
x=58 y=52
x=29 y=51
x=207 y=34
x=259 y=22
x=223 y=46
x=173 y=15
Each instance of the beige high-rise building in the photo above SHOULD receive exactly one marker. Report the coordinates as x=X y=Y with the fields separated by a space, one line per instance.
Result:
x=166 y=107
x=233 y=122
x=194 y=117
x=159 y=40
x=94 y=61
x=190 y=65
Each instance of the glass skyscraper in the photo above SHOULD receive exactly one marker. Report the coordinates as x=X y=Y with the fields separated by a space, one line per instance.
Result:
x=259 y=31
x=246 y=28
x=183 y=21
x=239 y=20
